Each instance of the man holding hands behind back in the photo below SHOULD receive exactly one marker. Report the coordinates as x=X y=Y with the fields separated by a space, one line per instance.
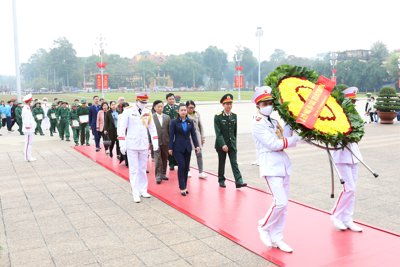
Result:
x=225 y=126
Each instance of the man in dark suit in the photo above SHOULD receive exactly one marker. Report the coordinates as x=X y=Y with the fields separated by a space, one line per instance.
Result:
x=93 y=110
x=162 y=122
x=171 y=109
x=225 y=126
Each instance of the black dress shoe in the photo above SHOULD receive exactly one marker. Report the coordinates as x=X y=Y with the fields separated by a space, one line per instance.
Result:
x=241 y=185
x=158 y=181
x=183 y=194
x=222 y=184
x=165 y=178
x=147 y=171
x=187 y=192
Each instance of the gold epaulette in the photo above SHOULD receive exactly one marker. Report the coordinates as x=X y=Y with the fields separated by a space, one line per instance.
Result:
x=219 y=113
x=128 y=107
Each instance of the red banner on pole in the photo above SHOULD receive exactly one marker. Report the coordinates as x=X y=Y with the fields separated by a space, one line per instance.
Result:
x=315 y=102
x=239 y=68
x=239 y=81
x=105 y=81
x=101 y=65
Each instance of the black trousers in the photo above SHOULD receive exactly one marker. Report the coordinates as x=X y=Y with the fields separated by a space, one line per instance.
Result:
x=183 y=159
x=113 y=142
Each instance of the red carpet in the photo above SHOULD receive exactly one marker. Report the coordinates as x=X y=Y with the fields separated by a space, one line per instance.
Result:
x=234 y=214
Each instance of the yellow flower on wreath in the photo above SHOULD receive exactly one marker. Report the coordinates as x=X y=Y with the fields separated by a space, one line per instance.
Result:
x=332 y=119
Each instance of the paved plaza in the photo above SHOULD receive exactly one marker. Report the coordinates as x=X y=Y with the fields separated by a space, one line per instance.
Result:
x=66 y=210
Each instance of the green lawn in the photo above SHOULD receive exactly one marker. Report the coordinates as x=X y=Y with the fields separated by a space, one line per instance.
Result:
x=130 y=97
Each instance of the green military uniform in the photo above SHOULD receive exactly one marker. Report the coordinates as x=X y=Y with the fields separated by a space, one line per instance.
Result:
x=225 y=126
x=74 y=120
x=59 y=105
x=84 y=128
x=63 y=118
x=172 y=112
x=18 y=117
x=38 y=115
x=52 y=115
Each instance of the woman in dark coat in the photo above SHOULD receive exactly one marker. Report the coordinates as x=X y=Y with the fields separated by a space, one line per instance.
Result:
x=180 y=131
x=110 y=127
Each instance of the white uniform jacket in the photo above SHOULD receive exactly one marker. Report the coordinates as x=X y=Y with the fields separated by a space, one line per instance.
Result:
x=272 y=159
x=344 y=156
x=28 y=122
x=132 y=127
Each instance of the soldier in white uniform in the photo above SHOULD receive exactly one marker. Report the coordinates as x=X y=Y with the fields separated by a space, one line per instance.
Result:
x=275 y=167
x=46 y=120
x=347 y=165
x=133 y=138
x=28 y=127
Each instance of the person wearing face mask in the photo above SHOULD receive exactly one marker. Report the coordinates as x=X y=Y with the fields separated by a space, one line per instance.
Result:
x=275 y=167
x=346 y=162
x=133 y=127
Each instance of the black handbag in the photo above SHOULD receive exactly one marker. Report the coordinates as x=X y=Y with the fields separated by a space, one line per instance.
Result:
x=106 y=141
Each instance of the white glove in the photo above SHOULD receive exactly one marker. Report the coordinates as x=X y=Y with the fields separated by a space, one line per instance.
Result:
x=122 y=146
x=298 y=137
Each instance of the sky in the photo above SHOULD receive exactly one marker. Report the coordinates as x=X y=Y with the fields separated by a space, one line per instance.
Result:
x=301 y=28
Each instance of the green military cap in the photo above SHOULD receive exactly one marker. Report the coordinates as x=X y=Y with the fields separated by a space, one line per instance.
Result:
x=83 y=101
x=227 y=98
x=74 y=104
x=54 y=105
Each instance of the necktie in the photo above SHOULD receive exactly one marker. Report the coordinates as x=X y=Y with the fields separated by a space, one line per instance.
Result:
x=269 y=119
x=140 y=111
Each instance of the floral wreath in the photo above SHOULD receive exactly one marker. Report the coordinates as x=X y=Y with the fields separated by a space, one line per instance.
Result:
x=338 y=123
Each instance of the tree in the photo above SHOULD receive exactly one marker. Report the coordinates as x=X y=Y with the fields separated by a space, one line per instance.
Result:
x=379 y=52
x=63 y=62
x=277 y=57
x=215 y=61
x=250 y=67
x=147 y=69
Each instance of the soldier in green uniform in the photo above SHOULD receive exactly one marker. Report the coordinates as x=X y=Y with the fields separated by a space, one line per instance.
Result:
x=59 y=106
x=52 y=115
x=38 y=115
x=171 y=109
x=18 y=117
x=84 y=129
x=74 y=120
x=225 y=126
x=63 y=118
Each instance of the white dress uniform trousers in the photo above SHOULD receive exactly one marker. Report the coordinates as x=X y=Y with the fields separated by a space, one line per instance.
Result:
x=46 y=121
x=28 y=128
x=347 y=166
x=275 y=168
x=132 y=130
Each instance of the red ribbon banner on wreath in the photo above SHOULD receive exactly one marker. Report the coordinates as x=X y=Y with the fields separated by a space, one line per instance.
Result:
x=315 y=102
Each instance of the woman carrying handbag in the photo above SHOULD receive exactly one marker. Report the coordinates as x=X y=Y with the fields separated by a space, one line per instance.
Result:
x=110 y=128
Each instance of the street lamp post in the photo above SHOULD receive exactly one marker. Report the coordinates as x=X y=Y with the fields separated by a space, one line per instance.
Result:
x=333 y=61
x=16 y=51
x=101 y=44
x=238 y=59
x=259 y=34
